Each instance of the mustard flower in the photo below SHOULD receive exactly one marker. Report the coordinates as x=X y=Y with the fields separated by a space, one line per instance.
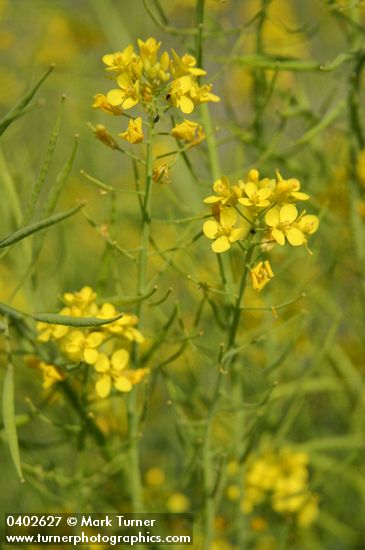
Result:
x=226 y=193
x=223 y=232
x=134 y=133
x=112 y=372
x=255 y=198
x=119 y=61
x=288 y=190
x=82 y=299
x=261 y=274
x=125 y=326
x=189 y=131
x=83 y=347
x=127 y=96
x=184 y=65
x=281 y=224
x=149 y=50
x=202 y=94
x=49 y=332
x=101 y=102
x=179 y=93
x=51 y=374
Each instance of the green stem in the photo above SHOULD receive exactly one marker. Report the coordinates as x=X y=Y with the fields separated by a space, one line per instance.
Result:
x=133 y=413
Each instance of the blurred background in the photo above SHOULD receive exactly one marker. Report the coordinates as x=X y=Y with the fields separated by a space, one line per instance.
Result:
x=307 y=122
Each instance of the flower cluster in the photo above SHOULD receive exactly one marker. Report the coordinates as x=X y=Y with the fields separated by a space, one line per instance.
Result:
x=281 y=479
x=253 y=203
x=103 y=347
x=156 y=82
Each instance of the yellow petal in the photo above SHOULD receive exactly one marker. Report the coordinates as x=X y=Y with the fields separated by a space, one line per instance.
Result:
x=288 y=213
x=103 y=385
x=210 y=229
x=186 y=105
x=272 y=217
x=250 y=189
x=237 y=234
x=115 y=97
x=228 y=217
x=94 y=339
x=123 y=384
x=90 y=356
x=211 y=199
x=295 y=236
x=221 y=245
x=278 y=236
x=120 y=359
x=102 y=363
x=129 y=102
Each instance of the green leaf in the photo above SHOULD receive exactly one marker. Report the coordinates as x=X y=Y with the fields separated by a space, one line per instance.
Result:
x=9 y=409
x=68 y=320
x=25 y=232
x=45 y=166
x=20 y=108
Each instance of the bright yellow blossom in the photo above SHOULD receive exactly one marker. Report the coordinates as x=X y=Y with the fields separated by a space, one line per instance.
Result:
x=134 y=133
x=288 y=190
x=119 y=61
x=83 y=347
x=49 y=332
x=186 y=64
x=82 y=299
x=189 y=131
x=261 y=274
x=125 y=326
x=50 y=375
x=255 y=198
x=179 y=94
x=112 y=372
x=127 y=96
x=223 y=232
x=226 y=193
x=101 y=102
x=281 y=224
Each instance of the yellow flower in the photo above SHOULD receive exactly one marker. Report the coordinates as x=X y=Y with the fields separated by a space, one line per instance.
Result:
x=83 y=347
x=49 y=332
x=184 y=65
x=82 y=299
x=255 y=197
x=223 y=232
x=288 y=190
x=149 y=50
x=189 y=131
x=202 y=94
x=119 y=61
x=127 y=96
x=101 y=102
x=125 y=326
x=281 y=223
x=113 y=372
x=226 y=194
x=134 y=133
x=261 y=274
x=50 y=375
x=179 y=92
